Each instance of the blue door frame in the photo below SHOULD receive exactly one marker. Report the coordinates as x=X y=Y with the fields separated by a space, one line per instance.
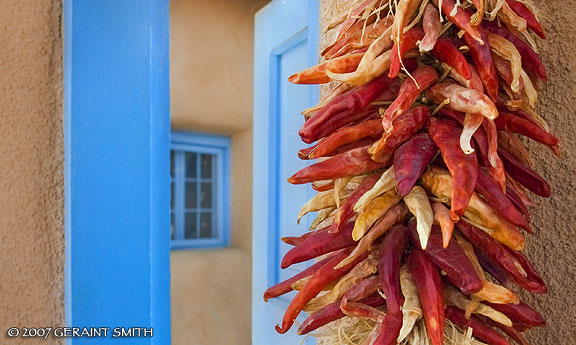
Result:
x=117 y=166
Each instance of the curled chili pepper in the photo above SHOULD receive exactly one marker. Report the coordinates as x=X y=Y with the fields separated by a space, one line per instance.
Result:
x=451 y=260
x=429 y=286
x=462 y=167
x=411 y=159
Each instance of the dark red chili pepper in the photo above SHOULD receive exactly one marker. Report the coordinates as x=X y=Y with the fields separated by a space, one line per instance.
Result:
x=524 y=175
x=411 y=159
x=343 y=136
x=482 y=57
x=346 y=210
x=410 y=89
x=351 y=305
x=493 y=269
x=452 y=259
x=318 y=244
x=286 y=286
x=429 y=285
x=479 y=329
x=524 y=12
x=462 y=167
x=447 y=52
x=405 y=126
x=391 y=326
x=461 y=19
x=503 y=257
x=409 y=40
x=492 y=192
x=390 y=255
x=530 y=59
x=332 y=312
x=520 y=313
x=351 y=163
x=343 y=110
x=512 y=123
x=324 y=276
x=508 y=330
x=518 y=203
x=501 y=105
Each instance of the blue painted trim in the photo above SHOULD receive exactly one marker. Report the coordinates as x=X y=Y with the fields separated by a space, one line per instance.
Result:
x=220 y=147
x=116 y=74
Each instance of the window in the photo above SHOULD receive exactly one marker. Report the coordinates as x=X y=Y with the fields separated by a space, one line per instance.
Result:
x=199 y=207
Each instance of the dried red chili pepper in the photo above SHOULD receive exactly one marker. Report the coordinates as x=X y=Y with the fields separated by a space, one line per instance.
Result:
x=410 y=160
x=432 y=26
x=429 y=286
x=317 y=74
x=296 y=240
x=516 y=124
x=332 y=312
x=318 y=244
x=286 y=286
x=391 y=325
x=530 y=59
x=343 y=136
x=346 y=211
x=405 y=126
x=446 y=51
x=461 y=19
x=351 y=304
x=452 y=259
x=518 y=203
x=324 y=276
x=523 y=174
x=508 y=330
x=494 y=270
x=520 y=313
x=482 y=57
x=533 y=282
x=479 y=329
x=410 y=89
x=390 y=256
x=408 y=41
x=492 y=192
x=524 y=12
x=351 y=163
x=462 y=167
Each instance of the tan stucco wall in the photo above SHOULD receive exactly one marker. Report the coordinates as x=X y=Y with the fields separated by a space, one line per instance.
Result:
x=211 y=91
x=553 y=249
x=31 y=168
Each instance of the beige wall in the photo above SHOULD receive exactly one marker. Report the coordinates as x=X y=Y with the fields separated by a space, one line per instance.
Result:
x=31 y=168
x=211 y=91
x=553 y=249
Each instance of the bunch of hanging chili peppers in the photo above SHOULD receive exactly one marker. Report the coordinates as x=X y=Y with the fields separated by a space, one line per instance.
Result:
x=422 y=178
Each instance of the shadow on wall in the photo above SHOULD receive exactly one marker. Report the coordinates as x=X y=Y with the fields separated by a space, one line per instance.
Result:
x=211 y=91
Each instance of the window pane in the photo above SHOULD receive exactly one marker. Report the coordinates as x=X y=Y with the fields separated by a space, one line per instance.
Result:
x=191 y=195
x=172 y=226
x=190 y=225
x=172 y=164
x=206 y=195
x=191 y=164
x=206 y=166
x=206 y=225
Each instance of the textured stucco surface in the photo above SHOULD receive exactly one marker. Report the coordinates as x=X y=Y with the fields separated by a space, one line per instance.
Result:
x=553 y=249
x=31 y=172
x=211 y=91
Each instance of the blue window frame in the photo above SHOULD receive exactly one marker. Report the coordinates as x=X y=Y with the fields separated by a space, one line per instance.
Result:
x=200 y=192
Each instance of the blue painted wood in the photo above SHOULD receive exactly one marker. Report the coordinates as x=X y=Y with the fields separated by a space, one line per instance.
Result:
x=116 y=171
x=285 y=42
x=216 y=145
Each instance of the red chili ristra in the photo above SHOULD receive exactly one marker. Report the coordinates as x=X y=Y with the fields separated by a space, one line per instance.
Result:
x=524 y=12
x=512 y=123
x=530 y=59
x=324 y=276
x=447 y=52
x=409 y=40
x=479 y=329
x=524 y=175
x=462 y=167
x=346 y=211
x=482 y=57
x=332 y=312
x=319 y=244
x=503 y=257
x=452 y=259
x=343 y=136
x=520 y=313
x=429 y=286
x=411 y=159
x=411 y=88
x=405 y=126
x=492 y=192
x=390 y=255
x=286 y=286
x=351 y=163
